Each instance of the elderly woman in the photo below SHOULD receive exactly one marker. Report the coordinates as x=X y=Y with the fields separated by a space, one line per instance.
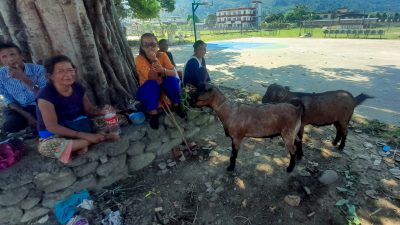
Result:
x=195 y=71
x=63 y=101
x=156 y=75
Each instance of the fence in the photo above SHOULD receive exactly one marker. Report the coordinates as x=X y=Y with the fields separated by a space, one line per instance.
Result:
x=355 y=33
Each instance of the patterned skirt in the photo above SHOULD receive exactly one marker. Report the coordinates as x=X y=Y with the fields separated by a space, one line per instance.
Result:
x=56 y=147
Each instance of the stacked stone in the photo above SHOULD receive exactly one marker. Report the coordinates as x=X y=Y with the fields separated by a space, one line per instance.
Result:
x=30 y=189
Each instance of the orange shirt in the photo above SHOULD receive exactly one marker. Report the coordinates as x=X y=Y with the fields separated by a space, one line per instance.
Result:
x=143 y=66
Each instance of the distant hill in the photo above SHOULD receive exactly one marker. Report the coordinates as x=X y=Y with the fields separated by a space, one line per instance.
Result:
x=184 y=7
x=331 y=5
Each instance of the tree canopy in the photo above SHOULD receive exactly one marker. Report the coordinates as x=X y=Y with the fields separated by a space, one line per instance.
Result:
x=295 y=14
x=143 y=9
x=211 y=20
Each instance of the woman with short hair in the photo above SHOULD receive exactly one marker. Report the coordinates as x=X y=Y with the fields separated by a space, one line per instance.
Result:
x=195 y=71
x=64 y=101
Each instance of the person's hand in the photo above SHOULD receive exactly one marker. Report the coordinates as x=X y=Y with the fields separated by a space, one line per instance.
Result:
x=156 y=67
x=92 y=138
x=153 y=75
x=17 y=72
x=152 y=55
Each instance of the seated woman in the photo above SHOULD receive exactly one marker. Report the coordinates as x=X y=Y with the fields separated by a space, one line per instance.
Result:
x=63 y=100
x=156 y=74
x=195 y=71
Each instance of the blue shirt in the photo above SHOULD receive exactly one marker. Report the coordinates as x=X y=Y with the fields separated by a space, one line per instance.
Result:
x=16 y=91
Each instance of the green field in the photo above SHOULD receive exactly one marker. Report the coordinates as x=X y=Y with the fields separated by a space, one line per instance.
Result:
x=391 y=33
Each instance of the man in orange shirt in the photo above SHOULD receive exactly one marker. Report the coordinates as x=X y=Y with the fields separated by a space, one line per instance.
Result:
x=156 y=74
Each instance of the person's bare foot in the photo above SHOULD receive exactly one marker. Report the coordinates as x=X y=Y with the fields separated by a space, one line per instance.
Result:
x=82 y=151
x=112 y=137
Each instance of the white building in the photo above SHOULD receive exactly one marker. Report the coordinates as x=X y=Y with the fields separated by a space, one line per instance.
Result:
x=247 y=17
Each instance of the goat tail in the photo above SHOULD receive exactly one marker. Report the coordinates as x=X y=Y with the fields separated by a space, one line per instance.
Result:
x=361 y=98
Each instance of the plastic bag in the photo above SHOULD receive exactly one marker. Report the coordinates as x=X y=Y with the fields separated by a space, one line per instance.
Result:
x=113 y=218
x=78 y=220
x=11 y=151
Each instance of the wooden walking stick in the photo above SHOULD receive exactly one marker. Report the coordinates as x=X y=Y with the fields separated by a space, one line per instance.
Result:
x=169 y=113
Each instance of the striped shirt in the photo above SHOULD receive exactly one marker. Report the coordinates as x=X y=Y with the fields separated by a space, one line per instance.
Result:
x=15 y=91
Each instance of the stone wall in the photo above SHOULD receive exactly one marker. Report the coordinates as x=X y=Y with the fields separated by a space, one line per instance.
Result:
x=29 y=189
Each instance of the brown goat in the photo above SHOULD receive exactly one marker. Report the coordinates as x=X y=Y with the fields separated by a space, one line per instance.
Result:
x=331 y=107
x=245 y=120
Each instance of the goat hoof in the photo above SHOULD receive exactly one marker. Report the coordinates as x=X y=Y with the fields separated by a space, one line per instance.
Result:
x=341 y=148
x=334 y=143
x=230 y=168
x=289 y=169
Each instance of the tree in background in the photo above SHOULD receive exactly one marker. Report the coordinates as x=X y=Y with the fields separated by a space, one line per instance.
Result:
x=211 y=20
x=143 y=9
x=168 y=5
x=298 y=13
x=122 y=8
x=275 y=17
x=189 y=19
x=384 y=16
x=396 y=17
x=171 y=30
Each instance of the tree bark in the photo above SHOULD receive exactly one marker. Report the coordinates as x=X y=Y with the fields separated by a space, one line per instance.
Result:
x=87 y=31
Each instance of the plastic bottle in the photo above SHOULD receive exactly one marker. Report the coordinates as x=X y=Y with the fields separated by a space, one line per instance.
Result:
x=111 y=122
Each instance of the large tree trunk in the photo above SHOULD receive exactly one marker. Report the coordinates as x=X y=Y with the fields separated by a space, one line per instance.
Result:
x=87 y=31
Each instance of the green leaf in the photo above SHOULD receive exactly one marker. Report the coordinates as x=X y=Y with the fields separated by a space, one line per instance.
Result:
x=148 y=194
x=342 y=202
x=351 y=210
x=356 y=220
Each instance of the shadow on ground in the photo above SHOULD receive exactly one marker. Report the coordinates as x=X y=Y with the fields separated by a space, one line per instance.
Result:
x=382 y=82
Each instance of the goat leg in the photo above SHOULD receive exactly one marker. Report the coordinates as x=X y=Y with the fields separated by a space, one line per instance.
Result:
x=337 y=138
x=235 y=150
x=298 y=142
x=342 y=143
x=290 y=141
x=292 y=163
x=299 y=149
x=338 y=134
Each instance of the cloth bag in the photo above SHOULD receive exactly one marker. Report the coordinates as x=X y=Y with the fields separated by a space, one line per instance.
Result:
x=11 y=151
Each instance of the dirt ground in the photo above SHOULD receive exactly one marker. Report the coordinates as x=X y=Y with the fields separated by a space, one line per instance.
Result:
x=309 y=65
x=200 y=191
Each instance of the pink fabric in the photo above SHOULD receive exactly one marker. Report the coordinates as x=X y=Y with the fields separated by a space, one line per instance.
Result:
x=66 y=155
x=9 y=155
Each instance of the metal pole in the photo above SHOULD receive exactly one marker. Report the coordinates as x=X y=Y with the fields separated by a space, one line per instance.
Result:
x=195 y=5
x=193 y=18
